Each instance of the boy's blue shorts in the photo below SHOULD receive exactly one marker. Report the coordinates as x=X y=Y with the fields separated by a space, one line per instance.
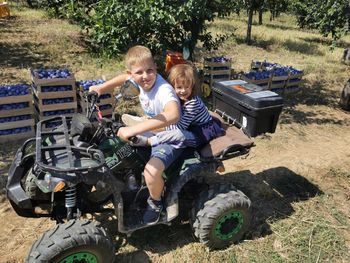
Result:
x=166 y=153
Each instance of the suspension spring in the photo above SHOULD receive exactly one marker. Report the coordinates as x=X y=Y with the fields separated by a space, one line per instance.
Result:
x=71 y=197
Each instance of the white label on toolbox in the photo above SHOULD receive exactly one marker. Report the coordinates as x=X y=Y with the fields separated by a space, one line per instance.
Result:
x=244 y=122
x=261 y=94
x=232 y=82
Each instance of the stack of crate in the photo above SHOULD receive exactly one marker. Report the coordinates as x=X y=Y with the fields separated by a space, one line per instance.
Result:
x=54 y=94
x=294 y=81
x=279 y=79
x=106 y=101
x=215 y=69
x=260 y=78
x=258 y=74
x=16 y=113
x=274 y=77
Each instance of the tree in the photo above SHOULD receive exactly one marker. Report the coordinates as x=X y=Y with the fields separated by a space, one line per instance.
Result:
x=330 y=17
x=115 y=25
x=251 y=6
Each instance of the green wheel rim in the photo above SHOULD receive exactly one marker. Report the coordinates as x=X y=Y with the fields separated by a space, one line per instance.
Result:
x=80 y=257
x=229 y=225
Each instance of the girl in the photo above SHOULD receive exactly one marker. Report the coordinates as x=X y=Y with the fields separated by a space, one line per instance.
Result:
x=196 y=126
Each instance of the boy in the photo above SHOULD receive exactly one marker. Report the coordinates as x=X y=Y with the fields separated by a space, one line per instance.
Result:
x=160 y=103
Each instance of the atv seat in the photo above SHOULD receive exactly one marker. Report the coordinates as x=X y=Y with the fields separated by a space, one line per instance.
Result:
x=232 y=144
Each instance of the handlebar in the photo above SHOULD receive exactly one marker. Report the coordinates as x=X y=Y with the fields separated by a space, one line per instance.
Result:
x=92 y=100
x=133 y=139
x=92 y=96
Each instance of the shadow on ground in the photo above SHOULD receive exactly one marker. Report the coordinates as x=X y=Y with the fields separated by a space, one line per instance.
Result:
x=317 y=94
x=283 y=27
x=325 y=41
x=261 y=43
x=272 y=193
x=291 y=45
x=21 y=54
x=302 y=47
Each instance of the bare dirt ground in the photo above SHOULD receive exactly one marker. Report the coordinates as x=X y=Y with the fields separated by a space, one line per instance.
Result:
x=298 y=175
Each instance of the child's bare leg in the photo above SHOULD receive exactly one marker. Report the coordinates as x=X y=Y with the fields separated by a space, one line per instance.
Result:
x=162 y=156
x=153 y=177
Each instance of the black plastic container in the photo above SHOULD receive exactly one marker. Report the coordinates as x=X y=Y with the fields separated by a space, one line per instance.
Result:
x=257 y=110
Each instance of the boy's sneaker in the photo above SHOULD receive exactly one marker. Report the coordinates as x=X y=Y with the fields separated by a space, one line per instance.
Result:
x=131 y=120
x=153 y=211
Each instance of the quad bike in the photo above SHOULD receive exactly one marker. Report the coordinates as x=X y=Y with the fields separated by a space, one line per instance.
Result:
x=82 y=168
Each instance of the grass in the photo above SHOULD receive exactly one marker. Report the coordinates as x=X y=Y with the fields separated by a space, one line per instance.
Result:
x=298 y=216
x=307 y=237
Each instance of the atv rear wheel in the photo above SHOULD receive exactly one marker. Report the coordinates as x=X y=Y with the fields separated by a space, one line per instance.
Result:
x=74 y=241
x=220 y=216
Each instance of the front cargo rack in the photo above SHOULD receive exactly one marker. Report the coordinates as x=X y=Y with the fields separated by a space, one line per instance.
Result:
x=55 y=151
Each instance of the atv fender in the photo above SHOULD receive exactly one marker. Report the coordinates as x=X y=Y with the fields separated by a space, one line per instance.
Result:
x=192 y=169
x=14 y=190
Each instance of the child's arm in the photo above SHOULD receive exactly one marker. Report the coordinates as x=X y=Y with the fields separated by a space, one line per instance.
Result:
x=190 y=112
x=109 y=85
x=170 y=115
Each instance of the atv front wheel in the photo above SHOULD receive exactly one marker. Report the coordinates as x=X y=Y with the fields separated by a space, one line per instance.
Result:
x=220 y=216
x=31 y=189
x=74 y=241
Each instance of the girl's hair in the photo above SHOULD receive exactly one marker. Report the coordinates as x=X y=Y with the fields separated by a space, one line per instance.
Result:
x=186 y=73
x=137 y=54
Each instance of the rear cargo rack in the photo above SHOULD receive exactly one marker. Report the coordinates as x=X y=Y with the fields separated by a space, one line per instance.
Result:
x=55 y=151
x=230 y=120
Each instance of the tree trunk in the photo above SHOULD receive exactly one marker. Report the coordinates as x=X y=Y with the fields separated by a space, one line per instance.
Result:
x=195 y=30
x=260 y=16
x=250 y=23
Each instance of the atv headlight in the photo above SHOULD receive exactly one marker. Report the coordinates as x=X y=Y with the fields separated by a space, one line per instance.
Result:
x=51 y=184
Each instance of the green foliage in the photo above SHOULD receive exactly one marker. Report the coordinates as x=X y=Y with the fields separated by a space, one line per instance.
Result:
x=159 y=24
x=329 y=17
x=113 y=26
x=276 y=7
x=71 y=9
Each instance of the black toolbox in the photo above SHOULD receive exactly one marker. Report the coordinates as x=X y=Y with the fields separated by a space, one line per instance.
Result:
x=255 y=109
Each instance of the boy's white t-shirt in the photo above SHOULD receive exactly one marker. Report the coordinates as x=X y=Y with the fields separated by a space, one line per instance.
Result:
x=154 y=101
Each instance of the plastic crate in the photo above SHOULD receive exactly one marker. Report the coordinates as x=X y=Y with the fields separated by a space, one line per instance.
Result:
x=215 y=69
x=4 y=10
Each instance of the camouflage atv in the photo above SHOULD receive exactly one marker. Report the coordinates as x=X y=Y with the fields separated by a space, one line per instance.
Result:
x=83 y=168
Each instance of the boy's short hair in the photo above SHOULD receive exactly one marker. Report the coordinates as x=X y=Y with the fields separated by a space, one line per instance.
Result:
x=137 y=54
x=187 y=73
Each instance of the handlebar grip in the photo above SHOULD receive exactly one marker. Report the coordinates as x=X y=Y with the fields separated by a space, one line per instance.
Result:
x=133 y=139
x=92 y=96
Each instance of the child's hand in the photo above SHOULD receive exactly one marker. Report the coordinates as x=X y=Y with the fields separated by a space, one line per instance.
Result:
x=125 y=133
x=95 y=88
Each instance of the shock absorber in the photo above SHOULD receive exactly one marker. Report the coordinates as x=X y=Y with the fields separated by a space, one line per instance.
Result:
x=71 y=201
